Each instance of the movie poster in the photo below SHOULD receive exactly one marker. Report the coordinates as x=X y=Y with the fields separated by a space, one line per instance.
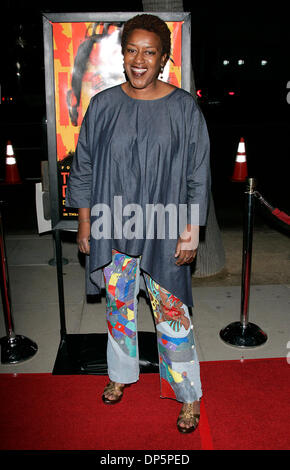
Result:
x=87 y=59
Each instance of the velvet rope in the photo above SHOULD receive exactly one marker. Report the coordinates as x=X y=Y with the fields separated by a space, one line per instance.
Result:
x=282 y=216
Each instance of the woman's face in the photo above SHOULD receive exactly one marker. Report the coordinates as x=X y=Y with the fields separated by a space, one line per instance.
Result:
x=143 y=59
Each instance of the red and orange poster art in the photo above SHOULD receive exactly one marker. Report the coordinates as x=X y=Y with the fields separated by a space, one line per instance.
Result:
x=87 y=60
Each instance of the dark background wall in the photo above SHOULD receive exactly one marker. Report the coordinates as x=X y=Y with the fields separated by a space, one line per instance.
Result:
x=257 y=108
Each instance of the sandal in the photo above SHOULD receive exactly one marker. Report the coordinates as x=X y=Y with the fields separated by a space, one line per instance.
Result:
x=186 y=415
x=115 y=390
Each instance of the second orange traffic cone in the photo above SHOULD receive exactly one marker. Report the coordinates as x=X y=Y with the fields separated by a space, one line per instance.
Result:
x=240 y=173
x=11 y=174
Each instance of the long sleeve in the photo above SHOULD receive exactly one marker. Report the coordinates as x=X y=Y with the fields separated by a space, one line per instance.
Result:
x=78 y=192
x=198 y=168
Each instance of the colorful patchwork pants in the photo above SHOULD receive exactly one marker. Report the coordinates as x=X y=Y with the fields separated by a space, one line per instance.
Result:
x=178 y=361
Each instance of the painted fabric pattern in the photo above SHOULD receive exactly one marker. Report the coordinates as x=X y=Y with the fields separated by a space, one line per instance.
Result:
x=120 y=284
x=178 y=361
x=166 y=307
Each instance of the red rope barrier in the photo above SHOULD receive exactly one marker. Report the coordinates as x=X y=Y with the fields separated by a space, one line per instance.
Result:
x=282 y=216
x=285 y=218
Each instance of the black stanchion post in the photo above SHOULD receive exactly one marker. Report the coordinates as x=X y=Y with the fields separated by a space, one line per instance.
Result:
x=58 y=254
x=243 y=333
x=53 y=262
x=14 y=348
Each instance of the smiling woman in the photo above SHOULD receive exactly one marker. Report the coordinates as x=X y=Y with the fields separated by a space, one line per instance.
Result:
x=146 y=49
x=144 y=142
x=143 y=62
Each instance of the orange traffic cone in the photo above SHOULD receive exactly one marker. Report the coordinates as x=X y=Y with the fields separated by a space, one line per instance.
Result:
x=12 y=174
x=240 y=170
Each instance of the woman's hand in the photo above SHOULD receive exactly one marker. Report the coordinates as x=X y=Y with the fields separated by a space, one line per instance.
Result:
x=186 y=247
x=184 y=256
x=83 y=237
x=84 y=230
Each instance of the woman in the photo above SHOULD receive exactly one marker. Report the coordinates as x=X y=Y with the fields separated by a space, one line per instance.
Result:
x=144 y=144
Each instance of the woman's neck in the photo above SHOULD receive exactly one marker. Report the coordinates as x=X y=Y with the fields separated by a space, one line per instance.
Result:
x=157 y=90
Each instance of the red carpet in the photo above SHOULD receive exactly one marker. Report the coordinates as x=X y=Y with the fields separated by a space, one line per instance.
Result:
x=245 y=406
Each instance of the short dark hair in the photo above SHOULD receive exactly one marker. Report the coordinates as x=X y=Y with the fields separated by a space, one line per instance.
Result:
x=150 y=23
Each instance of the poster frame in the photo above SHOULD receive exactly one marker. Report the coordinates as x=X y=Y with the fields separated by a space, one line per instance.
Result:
x=48 y=19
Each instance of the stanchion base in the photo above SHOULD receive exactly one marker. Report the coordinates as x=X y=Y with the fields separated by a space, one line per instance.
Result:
x=237 y=335
x=52 y=261
x=17 y=349
x=87 y=354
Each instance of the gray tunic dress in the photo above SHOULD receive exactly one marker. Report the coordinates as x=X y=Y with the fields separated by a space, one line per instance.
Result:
x=140 y=152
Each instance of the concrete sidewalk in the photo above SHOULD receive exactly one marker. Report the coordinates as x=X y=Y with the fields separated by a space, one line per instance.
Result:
x=33 y=284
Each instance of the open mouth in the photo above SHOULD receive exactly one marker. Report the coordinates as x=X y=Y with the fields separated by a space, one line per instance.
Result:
x=138 y=71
